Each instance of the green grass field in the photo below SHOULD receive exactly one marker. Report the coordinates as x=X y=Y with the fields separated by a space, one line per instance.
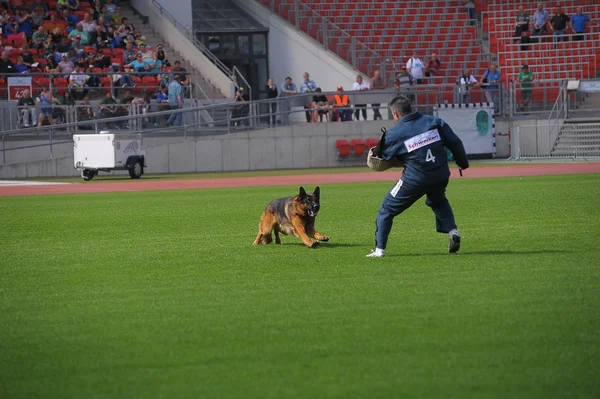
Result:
x=161 y=295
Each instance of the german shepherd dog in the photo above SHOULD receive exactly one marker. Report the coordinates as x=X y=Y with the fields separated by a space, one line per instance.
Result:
x=291 y=215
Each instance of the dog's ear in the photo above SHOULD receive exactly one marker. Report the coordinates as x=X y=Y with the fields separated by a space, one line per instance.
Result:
x=302 y=193
x=317 y=192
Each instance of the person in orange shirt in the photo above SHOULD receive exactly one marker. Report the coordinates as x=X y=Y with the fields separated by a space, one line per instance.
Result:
x=342 y=105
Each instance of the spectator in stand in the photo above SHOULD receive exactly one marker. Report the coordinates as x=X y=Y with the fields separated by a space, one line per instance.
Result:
x=239 y=112
x=110 y=7
x=108 y=107
x=100 y=40
x=184 y=76
x=308 y=86
x=6 y=65
x=25 y=22
x=83 y=35
x=123 y=108
x=138 y=37
x=40 y=4
x=522 y=22
x=471 y=11
x=85 y=112
x=78 y=83
x=45 y=102
x=146 y=54
x=272 y=93
x=360 y=85
x=342 y=105
x=320 y=106
x=415 y=66
x=116 y=16
x=28 y=109
x=377 y=83
x=578 y=22
x=175 y=101
x=37 y=16
x=404 y=82
x=89 y=26
x=139 y=66
x=129 y=55
x=71 y=19
x=48 y=47
x=559 y=24
x=155 y=65
x=51 y=66
x=28 y=58
x=288 y=88
x=13 y=34
x=20 y=66
x=39 y=38
x=466 y=83
x=62 y=48
x=105 y=15
x=540 y=21
x=163 y=101
x=490 y=80
x=433 y=66
x=525 y=78
x=78 y=47
x=161 y=55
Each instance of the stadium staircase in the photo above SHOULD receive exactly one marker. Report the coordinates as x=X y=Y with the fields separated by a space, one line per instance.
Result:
x=386 y=32
x=208 y=92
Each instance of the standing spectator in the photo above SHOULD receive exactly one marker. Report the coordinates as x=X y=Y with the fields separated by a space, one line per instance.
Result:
x=6 y=65
x=559 y=24
x=308 y=86
x=342 y=105
x=175 y=101
x=288 y=87
x=45 y=101
x=415 y=66
x=108 y=107
x=522 y=22
x=433 y=66
x=320 y=106
x=466 y=82
x=272 y=93
x=471 y=11
x=404 y=83
x=78 y=82
x=85 y=112
x=377 y=83
x=27 y=108
x=240 y=111
x=578 y=22
x=490 y=81
x=525 y=78
x=162 y=98
x=540 y=21
x=360 y=85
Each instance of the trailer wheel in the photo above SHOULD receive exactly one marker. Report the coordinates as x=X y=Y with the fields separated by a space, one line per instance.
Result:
x=137 y=170
x=87 y=174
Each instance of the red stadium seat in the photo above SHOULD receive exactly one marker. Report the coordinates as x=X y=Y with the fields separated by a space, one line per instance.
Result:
x=358 y=147
x=149 y=84
x=105 y=84
x=371 y=142
x=343 y=148
x=61 y=85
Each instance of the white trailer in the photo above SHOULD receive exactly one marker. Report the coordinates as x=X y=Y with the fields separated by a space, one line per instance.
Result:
x=106 y=152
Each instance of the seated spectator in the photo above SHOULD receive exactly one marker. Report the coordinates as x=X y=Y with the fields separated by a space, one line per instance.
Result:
x=415 y=67
x=161 y=55
x=578 y=22
x=404 y=83
x=73 y=5
x=6 y=65
x=559 y=24
x=28 y=58
x=433 y=66
x=110 y=7
x=342 y=105
x=308 y=86
x=25 y=22
x=71 y=19
x=489 y=81
x=78 y=86
x=525 y=78
x=49 y=47
x=540 y=21
x=39 y=38
x=67 y=107
x=28 y=109
x=154 y=65
x=138 y=37
x=82 y=34
x=89 y=25
x=20 y=66
x=108 y=107
x=240 y=110
x=105 y=16
x=37 y=17
x=288 y=87
x=12 y=32
x=85 y=112
x=64 y=47
x=138 y=66
x=522 y=22
x=40 y=4
x=51 y=66
x=45 y=102
x=466 y=83
x=471 y=12
x=100 y=40
x=146 y=54
x=78 y=47
x=117 y=18
x=129 y=54
x=184 y=76
x=320 y=106
x=360 y=85
x=62 y=4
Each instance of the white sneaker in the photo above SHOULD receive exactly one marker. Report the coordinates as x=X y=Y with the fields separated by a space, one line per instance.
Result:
x=453 y=241
x=376 y=254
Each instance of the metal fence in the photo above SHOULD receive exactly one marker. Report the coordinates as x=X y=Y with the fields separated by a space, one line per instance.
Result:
x=572 y=140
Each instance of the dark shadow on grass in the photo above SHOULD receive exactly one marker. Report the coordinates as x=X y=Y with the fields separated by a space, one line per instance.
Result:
x=491 y=252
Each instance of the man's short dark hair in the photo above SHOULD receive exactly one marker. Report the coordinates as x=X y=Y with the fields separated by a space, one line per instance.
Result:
x=402 y=105
x=288 y=77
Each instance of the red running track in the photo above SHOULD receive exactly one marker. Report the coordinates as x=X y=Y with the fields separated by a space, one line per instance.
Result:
x=293 y=180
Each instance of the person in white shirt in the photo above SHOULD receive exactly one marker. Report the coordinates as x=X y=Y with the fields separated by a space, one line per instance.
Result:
x=415 y=66
x=146 y=54
x=360 y=85
x=466 y=82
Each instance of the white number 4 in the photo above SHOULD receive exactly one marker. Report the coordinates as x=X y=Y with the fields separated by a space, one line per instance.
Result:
x=430 y=157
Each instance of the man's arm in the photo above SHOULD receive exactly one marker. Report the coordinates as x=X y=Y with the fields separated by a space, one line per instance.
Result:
x=454 y=144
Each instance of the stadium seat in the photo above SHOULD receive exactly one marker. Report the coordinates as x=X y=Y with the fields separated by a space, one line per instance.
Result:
x=343 y=148
x=358 y=147
x=371 y=142
x=149 y=84
x=61 y=85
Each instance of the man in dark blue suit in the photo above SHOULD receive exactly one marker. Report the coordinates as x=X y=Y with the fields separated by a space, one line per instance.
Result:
x=419 y=142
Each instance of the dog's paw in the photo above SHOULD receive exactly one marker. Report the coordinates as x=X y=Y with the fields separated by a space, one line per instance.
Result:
x=324 y=238
x=314 y=244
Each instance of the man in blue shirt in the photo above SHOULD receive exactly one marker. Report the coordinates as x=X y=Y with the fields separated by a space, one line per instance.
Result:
x=578 y=22
x=175 y=101
x=288 y=88
x=419 y=142
x=490 y=81
x=308 y=86
x=540 y=19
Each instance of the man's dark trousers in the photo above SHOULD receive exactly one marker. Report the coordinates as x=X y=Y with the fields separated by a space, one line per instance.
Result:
x=402 y=196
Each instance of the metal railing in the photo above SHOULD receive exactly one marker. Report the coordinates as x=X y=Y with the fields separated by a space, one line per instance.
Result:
x=539 y=99
x=573 y=140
